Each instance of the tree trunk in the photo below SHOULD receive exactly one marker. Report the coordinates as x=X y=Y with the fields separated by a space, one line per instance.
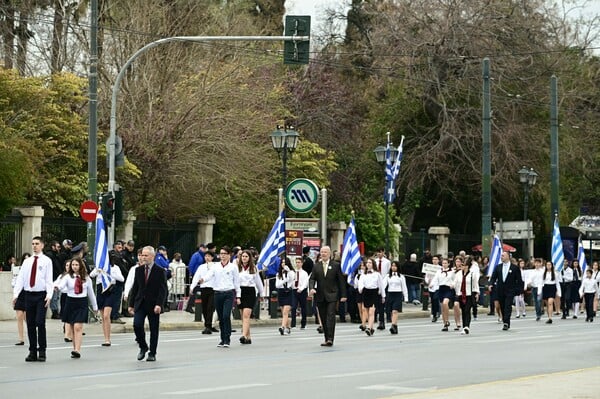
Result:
x=58 y=37
x=7 y=31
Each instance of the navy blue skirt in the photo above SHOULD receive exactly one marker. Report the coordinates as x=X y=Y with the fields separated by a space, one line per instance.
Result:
x=445 y=292
x=76 y=310
x=395 y=300
x=284 y=296
x=549 y=291
x=109 y=298
x=20 y=303
x=370 y=297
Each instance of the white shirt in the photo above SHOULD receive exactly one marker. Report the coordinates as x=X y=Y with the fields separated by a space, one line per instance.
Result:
x=548 y=281
x=432 y=282
x=286 y=280
x=371 y=281
x=302 y=279
x=588 y=286
x=43 y=276
x=567 y=275
x=115 y=273
x=384 y=269
x=395 y=283
x=67 y=282
x=129 y=281
x=445 y=278
x=535 y=278
x=253 y=280
x=201 y=273
x=225 y=278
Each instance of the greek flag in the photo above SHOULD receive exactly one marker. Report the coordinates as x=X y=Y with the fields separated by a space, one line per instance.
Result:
x=101 y=253
x=558 y=256
x=350 y=251
x=392 y=169
x=581 y=256
x=274 y=245
x=495 y=255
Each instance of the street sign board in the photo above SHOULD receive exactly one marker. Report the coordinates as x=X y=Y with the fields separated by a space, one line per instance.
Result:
x=293 y=242
x=88 y=210
x=302 y=195
x=307 y=225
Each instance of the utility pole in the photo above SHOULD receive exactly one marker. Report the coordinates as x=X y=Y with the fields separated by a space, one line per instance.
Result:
x=93 y=122
x=553 y=148
x=486 y=171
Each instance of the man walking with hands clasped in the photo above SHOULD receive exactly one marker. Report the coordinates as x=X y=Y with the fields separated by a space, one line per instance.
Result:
x=146 y=299
x=509 y=283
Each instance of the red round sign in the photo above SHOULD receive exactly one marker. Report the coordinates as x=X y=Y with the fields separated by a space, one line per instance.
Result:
x=88 y=210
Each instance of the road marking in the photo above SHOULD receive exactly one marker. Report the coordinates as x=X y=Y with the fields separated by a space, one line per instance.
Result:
x=343 y=375
x=396 y=389
x=215 y=389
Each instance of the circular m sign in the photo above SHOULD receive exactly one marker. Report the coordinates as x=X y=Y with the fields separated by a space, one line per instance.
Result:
x=301 y=195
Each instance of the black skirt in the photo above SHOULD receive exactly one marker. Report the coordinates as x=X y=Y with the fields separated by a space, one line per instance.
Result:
x=76 y=310
x=370 y=297
x=395 y=300
x=549 y=291
x=284 y=296
x=20 y=303
x=575 y=285
x=248 y=299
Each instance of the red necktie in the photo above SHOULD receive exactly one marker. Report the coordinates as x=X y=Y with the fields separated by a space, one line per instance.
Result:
x=78 y=285
x=463 y=289
x=379 y=265
x=33 y=272
x=146 y=274
x=297 y=278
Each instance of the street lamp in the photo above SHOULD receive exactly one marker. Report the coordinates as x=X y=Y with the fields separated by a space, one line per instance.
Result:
x=284 y=141
x=381 y=155
x=528 y=178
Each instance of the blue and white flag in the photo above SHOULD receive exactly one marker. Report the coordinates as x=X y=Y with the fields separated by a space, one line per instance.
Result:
x=350 y=252
x=101 y=253
x=495 y=255
x=392 y=169
x=274 y=245
x=558 y=256
x=581 y=257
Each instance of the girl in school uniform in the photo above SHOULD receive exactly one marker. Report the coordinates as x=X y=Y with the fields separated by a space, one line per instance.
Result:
x=251 y=286
x=396 y=289
x=284 y=282
x=20 y=304
x=466 y=287
x=108 y=299
x=551 y=289
x=588 y=291
x=575 y=285
x=79 y=292
x=371 y=287
x=520 y=299
x=596 y=278
x=358 y=274
x=458 y=264
x=444 y=279
x=67 y=328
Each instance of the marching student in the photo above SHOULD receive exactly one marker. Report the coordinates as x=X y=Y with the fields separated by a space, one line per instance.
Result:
x=588 y=289
x=358 y=274
x=67 y=328
x=80 y=292
x=108 y=299
x=207 y=293
x=520 y=298
x=458 y=263
x=466 y=286
x=433 y=289
x=444 y=279
x=396 y=289
x=284 y=282
x=372 y=289
x=251 y=286
x=300 y=295
x=551 y=289
x=596 y=278
x=575 y=285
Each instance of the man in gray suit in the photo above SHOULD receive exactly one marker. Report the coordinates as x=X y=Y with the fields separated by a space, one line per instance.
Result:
x=330 y=285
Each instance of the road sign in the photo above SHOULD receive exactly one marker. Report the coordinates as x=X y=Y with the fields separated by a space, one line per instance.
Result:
x=308 y=226
x=302 y=195
x=88 y=210
x=293 y=242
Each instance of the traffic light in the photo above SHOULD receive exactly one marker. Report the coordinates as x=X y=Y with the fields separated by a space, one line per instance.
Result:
x=108 y=208
x=296 y=52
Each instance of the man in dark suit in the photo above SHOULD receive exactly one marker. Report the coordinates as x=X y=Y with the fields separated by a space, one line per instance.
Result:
x=509 y=283
x=330 y=284
x=146 y=299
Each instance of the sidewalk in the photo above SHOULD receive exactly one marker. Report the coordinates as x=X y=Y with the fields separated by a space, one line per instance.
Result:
x=181 y=320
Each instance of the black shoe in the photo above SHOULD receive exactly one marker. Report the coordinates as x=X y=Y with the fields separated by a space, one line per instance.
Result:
x=20 y=343
x=490 y=314
x=368 y=332
x=75 y=355
x=41 y=356
x=242 y=340
x=206 y=331
x=434 y=319
x=549 y=321
x=32 y=357
x=214 y=329
x=142 y=354
x=68 y=340
x=233 y=330
x=381 y=326
x=362 y=328
x=320 y=330
x=151 y=358
x=505 y=327
x=281 y=330
x=563 y=317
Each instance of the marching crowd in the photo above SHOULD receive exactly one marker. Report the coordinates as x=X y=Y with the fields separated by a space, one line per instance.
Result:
x=371 y=296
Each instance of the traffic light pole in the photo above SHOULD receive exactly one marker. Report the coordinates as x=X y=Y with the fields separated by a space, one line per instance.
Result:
x=121 y=75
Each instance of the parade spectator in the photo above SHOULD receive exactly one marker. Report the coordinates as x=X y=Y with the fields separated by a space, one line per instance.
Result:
x=412 y=272
x=129 y=256
x=196 y=260
x=54 y=255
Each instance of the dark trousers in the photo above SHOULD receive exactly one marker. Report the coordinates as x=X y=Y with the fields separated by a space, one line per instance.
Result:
x=35 y=316
x=208 y=305
x=435 y=303
x=299 y=299
x=223 y=305
x=537 y=301
x=565 y=299
x=380 y=311
x=116 y=311
x=327 y=315
x=506 y=302
x=465 y=310
x=140 y=334
x=589 y=305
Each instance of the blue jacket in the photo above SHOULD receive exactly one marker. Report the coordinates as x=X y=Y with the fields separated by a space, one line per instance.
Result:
x=196 y=260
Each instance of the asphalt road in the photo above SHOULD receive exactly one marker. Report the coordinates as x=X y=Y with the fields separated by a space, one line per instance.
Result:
x=421 y=359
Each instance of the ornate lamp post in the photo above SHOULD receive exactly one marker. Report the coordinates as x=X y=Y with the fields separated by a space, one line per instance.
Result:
x=528 y=178
x=284 y=140
x=380 y=154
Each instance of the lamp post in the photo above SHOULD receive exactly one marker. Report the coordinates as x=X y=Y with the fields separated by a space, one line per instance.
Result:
x=284 y=140
x=381 y=155
x=528 y=178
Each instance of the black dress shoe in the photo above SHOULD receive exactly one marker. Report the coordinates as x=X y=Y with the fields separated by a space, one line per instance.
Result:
x=142 y=354
x=41 y=356
x=151 y=358
x=32 y=357
x=327 y=343
x=20 y=343
x=505 y=327
x=206 y=331
x=68 y=340
x=214 y=329
x=75 y=355
x=320 y=330
x=381 y=326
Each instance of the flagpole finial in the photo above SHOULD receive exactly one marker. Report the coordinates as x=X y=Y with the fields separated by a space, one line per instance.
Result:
x=352 y=213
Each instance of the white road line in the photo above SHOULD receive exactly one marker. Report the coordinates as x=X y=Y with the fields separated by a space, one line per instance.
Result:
x=344 y=375
x=394 y=388
x=215 y=389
